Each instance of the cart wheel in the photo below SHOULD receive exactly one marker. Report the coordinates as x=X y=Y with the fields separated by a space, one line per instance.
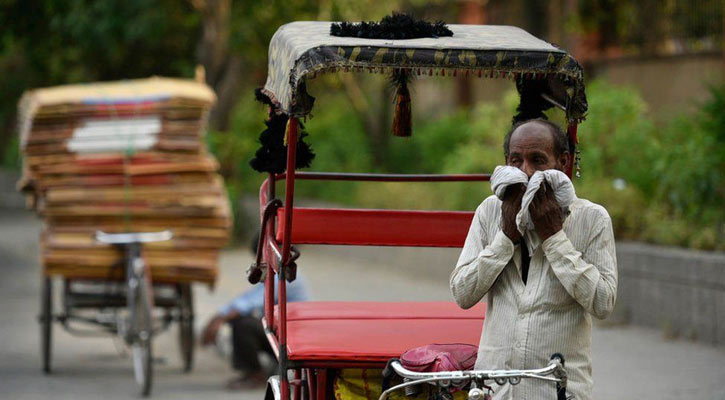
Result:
x=46 y=322
x=141 y=345
x=186 y=325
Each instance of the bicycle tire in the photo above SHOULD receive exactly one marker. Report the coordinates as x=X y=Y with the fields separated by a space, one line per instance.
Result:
x=141 y=346
x=46 y=323
x=186 y=326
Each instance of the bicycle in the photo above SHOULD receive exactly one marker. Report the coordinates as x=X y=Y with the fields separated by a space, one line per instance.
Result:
x=137 y=329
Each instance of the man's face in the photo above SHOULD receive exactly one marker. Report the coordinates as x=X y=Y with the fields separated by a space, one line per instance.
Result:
x=531 y=149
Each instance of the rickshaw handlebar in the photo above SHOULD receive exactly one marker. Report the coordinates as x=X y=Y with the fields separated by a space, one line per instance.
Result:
x=540 y=373
x=459 y=379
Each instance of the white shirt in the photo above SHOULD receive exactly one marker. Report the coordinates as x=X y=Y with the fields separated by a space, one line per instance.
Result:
x=572 y=276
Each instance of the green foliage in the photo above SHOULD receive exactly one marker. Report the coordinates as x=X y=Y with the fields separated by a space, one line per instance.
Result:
x=661 y=184
x=673 y=173
x=236 y=148
x=670 y=186
x=46 y=42
x=233 y=150
x=712 y=119
x=11 y=158
x=52 y=42
x=616 y=138
x=82 y=40
x=645 y=25
x=340 y=143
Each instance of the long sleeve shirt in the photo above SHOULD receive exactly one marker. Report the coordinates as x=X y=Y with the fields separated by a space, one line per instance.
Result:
x=251 y=302
x=572 y=277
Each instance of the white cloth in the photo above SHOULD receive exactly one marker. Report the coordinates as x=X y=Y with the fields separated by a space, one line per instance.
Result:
x=505 y=176
x=572 y=277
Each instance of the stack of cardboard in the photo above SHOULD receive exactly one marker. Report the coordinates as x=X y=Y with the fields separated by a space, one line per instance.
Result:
x=124 y=157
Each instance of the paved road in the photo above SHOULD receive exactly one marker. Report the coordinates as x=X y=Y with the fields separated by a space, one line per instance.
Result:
x=89 y=368
x=630 y=363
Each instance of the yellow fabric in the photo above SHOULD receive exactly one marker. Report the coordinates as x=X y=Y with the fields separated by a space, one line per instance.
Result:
x=76 y=93
x=366 y=384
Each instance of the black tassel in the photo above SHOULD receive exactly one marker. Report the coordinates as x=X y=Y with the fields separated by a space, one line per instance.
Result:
x=395 y=26
x=531 y=104
x=402 y=118
x=272 y=154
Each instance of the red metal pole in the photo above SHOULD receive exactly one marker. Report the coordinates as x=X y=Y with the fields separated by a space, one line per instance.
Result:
x=321 y=384
x=286 y=244
x=267 y=193
x=311 y=388
x=298 y=387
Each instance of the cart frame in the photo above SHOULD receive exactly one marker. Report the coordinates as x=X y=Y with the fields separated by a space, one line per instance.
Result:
x=139 y=326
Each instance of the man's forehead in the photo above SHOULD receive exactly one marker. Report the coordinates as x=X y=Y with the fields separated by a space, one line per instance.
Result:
x=533 y=135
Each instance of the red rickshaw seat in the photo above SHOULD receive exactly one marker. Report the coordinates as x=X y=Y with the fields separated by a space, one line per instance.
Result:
x=344 y=331
x=368 y=227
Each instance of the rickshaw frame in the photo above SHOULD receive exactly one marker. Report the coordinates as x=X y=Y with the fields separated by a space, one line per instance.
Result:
x=274 y=256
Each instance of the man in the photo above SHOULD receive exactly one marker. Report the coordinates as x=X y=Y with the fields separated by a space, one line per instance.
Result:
x=243 y=314
x=541 y=303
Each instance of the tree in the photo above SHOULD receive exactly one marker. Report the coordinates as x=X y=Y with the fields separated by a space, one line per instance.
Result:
x=45 y=43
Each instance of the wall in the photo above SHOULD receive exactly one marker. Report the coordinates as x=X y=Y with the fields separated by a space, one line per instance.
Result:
x=667 y=84
x=679 y=291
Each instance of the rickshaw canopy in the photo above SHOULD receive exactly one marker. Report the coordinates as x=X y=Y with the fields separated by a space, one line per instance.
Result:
x=301 y=50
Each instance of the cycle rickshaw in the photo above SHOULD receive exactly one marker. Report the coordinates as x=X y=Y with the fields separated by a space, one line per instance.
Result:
x=134 y=210
x=315 y=342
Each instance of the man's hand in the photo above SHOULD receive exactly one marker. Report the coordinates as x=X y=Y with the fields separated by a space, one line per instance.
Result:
x=510 y=206
x=546 y=213
x=212 y=328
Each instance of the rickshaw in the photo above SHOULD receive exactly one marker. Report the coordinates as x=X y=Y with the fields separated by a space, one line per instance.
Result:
x=104 y=166
x=315 y=342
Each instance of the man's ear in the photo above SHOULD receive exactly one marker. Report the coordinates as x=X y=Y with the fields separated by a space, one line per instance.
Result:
x=564 y=161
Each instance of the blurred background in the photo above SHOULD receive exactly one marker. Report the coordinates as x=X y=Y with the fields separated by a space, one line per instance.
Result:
x=653 y=140
x=652 y=146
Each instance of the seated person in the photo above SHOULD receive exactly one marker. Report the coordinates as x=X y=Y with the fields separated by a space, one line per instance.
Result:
x=244 y=315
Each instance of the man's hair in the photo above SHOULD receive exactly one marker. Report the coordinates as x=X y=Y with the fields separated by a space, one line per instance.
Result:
x=561 y=140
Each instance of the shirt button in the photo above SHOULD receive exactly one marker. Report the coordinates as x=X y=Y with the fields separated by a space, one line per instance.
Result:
x=522 y=316
x=518 y=345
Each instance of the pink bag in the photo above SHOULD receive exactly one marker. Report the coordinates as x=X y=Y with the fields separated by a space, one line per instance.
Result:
x=440 y=357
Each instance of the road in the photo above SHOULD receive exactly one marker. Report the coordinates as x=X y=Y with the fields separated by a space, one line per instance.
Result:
x=629 y=363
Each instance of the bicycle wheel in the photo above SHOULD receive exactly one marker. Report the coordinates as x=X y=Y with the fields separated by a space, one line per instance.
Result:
x=46 y=322
x=186 y=326
x=141 y=344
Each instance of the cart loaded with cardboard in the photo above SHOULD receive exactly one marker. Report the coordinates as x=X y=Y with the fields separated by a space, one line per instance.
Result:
x=113 y=158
